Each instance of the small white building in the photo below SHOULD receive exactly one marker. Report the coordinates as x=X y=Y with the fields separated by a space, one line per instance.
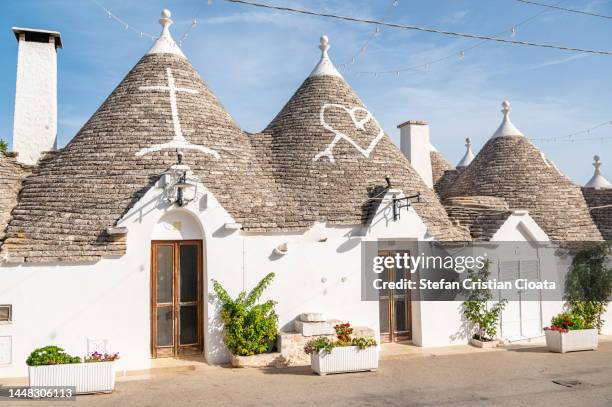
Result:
x=113 y=240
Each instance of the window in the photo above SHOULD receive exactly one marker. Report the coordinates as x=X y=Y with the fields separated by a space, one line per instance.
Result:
x=6 y=313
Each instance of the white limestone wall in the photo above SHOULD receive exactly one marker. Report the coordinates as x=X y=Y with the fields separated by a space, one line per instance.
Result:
x=66 y=304
x=35 y=121
x=441 y=323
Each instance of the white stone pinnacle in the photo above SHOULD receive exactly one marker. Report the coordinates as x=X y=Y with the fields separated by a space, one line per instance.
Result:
x=325 y=65
x=598 y=181
x=165 y=44
x=506 y=128
x=469 y=155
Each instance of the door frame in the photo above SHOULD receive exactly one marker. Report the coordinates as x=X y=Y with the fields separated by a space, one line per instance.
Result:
x=393 y=335
x=177 y=350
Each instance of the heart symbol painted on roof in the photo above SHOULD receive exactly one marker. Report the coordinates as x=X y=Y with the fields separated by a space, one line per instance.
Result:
x=359 y=125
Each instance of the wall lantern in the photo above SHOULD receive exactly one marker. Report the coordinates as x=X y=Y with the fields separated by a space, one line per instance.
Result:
x=180 y=186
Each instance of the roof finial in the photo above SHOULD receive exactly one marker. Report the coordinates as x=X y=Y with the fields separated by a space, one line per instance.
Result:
x=506 y=128
x=325 y=65
x=165 y=43
x=505 y=108
x=469 y=156
x=165 y=19
x=324 y=45
x=598 y=181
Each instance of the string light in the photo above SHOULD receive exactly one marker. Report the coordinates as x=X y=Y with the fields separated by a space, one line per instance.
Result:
x=572 y=136
x=366 y=44
x=122 y=22
x=141 y=34
x=513 y=30
x=424 y=29
x=569 y=10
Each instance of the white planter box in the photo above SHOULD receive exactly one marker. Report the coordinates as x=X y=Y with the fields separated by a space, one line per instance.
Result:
x=96 y=377
x=580 y=339
x=345 y=359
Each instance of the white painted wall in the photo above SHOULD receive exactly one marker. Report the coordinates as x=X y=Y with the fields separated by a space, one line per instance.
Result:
x=67 y=304
x=35 y=120
x=441 y=323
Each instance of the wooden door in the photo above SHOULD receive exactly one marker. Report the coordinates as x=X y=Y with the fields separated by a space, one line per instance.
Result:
x=176 y=298
x=394 y=305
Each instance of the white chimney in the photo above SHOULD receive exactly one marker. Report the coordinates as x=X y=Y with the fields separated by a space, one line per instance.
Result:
x=35 y=120
x=414 y=143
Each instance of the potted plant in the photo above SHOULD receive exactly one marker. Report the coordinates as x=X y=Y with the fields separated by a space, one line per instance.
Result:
x=568 y=333
x=346 y=354
x=588 y=287
x=251 y=329
x=481 y=311
x=52 y=366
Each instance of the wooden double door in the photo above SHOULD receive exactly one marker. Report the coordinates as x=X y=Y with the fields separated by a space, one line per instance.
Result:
x=176 y=298
x=394 y=305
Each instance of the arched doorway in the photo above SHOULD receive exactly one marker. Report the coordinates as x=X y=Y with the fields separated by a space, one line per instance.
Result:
x=177 y=312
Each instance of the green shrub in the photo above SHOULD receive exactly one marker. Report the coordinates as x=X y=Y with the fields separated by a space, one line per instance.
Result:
x=343 y=338
x=476 y=308
x=362 y=342
x=250 y=328
x=3 y=146
x=567 y=321
x=319 y=345
x=51 y=355
x=588 y=285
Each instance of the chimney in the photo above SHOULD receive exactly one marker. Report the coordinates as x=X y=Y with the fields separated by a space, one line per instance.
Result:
x=35 y=120
x=414 y=143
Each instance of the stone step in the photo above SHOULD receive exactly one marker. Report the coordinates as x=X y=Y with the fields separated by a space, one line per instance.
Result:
x=315 y=328
x=312 y=317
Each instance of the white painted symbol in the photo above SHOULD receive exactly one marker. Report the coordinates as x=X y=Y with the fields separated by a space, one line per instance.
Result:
x=359 y=124
x=178 y=141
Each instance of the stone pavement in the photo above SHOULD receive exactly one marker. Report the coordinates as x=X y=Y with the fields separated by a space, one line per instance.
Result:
x=520 y=376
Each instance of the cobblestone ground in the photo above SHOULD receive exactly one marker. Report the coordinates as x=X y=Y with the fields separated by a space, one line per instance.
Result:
x=523 y=377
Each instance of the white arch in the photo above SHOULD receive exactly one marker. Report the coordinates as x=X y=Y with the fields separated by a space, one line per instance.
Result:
x=178 y=224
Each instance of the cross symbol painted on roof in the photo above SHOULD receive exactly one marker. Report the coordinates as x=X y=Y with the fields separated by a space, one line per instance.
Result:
x=178 y=141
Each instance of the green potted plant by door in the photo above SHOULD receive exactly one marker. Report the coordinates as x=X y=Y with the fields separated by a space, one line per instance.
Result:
x=480 y=310
x=345 y=354
x=588 y=287
x=251 y=328
x=52 y=366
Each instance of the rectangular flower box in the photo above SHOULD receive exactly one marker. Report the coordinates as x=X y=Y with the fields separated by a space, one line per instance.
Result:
x=571 y=341
x=97 y=377
x=344 y=359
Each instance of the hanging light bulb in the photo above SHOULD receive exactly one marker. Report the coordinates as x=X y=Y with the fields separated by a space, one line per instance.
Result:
x=110 y=15
x=353 y=60
x=513 y=32
x=377 y=32
x=397 y=73
x=395 y=3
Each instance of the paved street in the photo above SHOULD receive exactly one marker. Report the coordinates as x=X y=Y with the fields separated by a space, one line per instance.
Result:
x=521 y=377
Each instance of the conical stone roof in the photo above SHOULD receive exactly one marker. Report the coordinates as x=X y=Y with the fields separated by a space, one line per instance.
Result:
x=509 y=166
x=12 y=174
x=161 y=106
x=330 y=154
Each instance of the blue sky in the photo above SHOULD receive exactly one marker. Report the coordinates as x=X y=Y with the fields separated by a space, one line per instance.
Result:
x=255 y=59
